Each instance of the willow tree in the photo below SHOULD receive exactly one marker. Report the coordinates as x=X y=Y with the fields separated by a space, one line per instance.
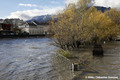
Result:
x=64 y=29
x=114 y=15
x=80 y=24
x=97 y=26
x=67 y=29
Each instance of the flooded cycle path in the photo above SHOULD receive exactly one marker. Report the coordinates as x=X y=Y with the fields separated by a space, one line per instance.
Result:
x=33 y=59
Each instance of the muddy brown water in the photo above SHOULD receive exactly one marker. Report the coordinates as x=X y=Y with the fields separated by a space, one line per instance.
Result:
x=34 y=59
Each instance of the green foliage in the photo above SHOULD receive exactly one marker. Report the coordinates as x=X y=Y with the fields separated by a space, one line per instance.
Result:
x=65 y=53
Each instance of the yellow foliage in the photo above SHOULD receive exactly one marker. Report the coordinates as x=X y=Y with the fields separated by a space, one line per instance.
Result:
x=84 y=25
x=114 y=15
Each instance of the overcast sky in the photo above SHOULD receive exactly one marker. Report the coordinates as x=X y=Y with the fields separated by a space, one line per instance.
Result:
x=26 y=9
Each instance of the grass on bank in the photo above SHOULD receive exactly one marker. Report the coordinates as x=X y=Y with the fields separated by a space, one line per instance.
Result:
x=82 y=59
x=65 y=53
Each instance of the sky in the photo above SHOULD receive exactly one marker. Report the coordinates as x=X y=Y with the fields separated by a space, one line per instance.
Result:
x=26 y=9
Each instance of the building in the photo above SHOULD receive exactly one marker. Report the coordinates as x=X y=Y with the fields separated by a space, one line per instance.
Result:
x=17 y=26
x=1 y=21
x=36 y=29
x=14 y=23
x=12 y=26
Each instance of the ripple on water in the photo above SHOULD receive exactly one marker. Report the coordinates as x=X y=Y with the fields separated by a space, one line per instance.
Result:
x=30 y=59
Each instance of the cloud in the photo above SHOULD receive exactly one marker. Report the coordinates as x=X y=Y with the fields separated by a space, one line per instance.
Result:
x=32 y=5
x=27 y=5
x=55 y=2
x=108 y=3
x=70 y=1
x=28 y=14
x=105 y=3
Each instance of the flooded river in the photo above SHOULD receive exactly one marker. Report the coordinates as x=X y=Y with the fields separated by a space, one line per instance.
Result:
x=34 y=59
x=105 y=68
x=30 y=59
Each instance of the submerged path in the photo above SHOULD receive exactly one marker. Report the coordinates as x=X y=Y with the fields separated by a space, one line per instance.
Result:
x=33 y=59
x=108 y=65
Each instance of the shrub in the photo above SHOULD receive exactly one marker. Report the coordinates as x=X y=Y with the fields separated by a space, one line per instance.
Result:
x=65 y=53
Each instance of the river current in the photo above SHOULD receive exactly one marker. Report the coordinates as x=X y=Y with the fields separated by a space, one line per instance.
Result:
x=30 y=59
x=34 y=59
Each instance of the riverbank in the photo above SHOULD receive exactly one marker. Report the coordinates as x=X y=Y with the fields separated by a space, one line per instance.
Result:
x=89 y=65
x=108 y=65
x=23 y=36
x=30 y=59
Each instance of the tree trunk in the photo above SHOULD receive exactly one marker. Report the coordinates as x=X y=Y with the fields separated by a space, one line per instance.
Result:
x=98 y=50
x=76 y=66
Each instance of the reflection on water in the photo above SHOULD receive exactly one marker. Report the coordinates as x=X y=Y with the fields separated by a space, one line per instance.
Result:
x=30 y=59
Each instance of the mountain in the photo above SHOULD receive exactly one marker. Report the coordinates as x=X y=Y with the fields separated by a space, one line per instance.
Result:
x=43 y=18
x=102 y=9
